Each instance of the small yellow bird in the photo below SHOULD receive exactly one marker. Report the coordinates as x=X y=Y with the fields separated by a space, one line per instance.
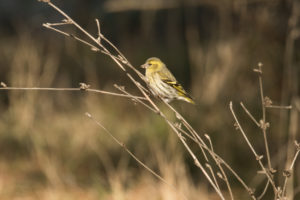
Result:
x=162 y=83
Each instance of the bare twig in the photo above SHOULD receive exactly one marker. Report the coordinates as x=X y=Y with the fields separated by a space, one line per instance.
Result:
x=221 y=168
x=219 y=160
x=198 y=164
x=99 y=32
x=132 y=155
x=249 y=114
x=50 y=26
x=257 y=157
x=133 y=97
x=264 y=191
x=71 y=89
x=3 y=84
x=196 y=161
x=280 y=107
x=189 y=127
x=263 y=123
x=117 y=56
x=287 y=173
x=213 y=175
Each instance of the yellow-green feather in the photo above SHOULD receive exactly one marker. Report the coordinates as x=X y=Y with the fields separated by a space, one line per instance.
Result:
x=180 y=90
x=157 y=66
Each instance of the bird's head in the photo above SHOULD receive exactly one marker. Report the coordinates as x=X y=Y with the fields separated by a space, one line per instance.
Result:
x=153 y=64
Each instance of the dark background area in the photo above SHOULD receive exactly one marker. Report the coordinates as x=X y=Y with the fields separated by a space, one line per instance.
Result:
x=50 y=150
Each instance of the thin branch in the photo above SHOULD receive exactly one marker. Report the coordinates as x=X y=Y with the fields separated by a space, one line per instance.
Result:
x=99 y=32
x=287 y=173
x=71 y=89
x=186 y=133
x=213 y=175
x=189 y=127
x=199 y=165
x=59 y=23
x=280 y=107
x=218 y=159
x=264 y=191
x=221 y=168
x=93 y=48
x=196 y=161
x=257 y=157
x=125 y=61
x=264 y=124
x=120 y=60
x=249 y=114
x=71 y=21
x=49 y=26
x=132 y=155
x=133 y=97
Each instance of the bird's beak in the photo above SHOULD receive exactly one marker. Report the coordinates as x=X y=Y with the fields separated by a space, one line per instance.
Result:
x=144 y=66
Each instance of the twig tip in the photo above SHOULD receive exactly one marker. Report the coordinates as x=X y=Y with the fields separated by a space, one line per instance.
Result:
x=220 y=176
x=95 y=49
x=207 y=136
x=88 y=115
x=3 y=84
x=84 y=86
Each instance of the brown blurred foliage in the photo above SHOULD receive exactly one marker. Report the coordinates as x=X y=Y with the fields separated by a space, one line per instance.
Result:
x=50 y=150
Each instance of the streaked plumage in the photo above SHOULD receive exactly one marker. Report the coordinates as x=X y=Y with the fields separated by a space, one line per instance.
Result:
x=162 y=83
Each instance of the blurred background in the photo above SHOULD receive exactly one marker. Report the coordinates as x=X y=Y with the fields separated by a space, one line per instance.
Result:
x=50 y=150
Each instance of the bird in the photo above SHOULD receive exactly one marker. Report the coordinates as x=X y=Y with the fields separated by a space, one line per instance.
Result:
x=162 y=82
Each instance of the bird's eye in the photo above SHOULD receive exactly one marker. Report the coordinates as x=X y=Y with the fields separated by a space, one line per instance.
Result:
x=149 y=63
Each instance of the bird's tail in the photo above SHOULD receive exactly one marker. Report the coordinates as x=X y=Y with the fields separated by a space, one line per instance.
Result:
x=189 y=99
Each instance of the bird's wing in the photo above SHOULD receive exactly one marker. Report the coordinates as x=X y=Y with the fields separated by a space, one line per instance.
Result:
x=168 y=78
